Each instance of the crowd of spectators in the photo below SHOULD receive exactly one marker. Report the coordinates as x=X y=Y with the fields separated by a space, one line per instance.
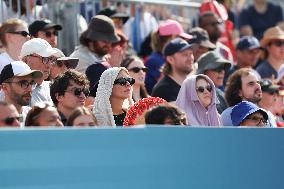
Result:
x=204 y=76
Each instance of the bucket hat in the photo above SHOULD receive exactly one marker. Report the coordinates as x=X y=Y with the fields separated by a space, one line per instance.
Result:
x=210 y=61
x=101 y=28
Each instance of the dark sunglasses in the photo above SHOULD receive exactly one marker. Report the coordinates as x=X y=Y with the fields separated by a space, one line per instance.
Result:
x=202 y=89
x=124 y=80
x=48 y=33
x=11 y=120
x=278 y=43
x=22 y=33
x=77 y=91
x=137 y=69
x=23 y=83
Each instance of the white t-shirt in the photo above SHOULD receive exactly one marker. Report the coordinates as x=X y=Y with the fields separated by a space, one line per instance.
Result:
x=41 y=93
x=4 y=60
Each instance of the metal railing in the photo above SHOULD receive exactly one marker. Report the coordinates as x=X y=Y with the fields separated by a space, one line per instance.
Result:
x=66 y=13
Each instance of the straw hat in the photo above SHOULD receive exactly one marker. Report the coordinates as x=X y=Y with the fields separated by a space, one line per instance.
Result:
x=272 y=33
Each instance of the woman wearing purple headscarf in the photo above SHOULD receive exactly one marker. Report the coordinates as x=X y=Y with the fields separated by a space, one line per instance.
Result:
x=197 y=98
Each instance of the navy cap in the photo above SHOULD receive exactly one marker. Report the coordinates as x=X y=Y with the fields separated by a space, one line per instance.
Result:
x=175 y=45
x=244 y=109
x=248 y=43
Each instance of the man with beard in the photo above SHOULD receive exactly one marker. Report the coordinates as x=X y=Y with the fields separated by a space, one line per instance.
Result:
x=242 y=85
x=210 y=22
x=179 y=59
x=39 y=55
x=96 y=42
x=17 y=80
x=69 y=91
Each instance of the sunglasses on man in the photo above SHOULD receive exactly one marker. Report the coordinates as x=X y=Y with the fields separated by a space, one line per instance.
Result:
x=77 y=91
x=49 y=34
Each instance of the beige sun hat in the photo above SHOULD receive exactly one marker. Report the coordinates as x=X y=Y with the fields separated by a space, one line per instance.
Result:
x=270 y=34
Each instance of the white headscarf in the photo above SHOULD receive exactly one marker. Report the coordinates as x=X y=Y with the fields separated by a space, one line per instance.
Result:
x=102 y=107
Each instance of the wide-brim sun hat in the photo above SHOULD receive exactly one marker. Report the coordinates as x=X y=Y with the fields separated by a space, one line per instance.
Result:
x=271 y=34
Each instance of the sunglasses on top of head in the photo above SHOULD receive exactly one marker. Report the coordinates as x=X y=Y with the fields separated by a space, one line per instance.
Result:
x=137 y=69
x=22 y=33
x=49 y=34
x=124 y=80
x=201 y=89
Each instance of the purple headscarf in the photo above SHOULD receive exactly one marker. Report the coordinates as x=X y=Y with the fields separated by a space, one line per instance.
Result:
x=188 y=101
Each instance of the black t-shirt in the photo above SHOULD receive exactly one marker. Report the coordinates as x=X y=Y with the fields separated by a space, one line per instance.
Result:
x=119 y=118
x=167 y=89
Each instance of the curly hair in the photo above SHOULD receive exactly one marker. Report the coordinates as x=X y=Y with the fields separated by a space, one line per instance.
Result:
x=61 y=82
x=234 y=85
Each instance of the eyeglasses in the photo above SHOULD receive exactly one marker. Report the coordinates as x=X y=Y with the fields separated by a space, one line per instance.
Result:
x=48 y=33
x=257 y=120
x=137 y=69
x=124 y=80
x=45 y=60
x=77 y=91
x=11 y=120
x=202 y=89
x=219 y=69
x=23 y=83
x=22 y=33
x=278 y=43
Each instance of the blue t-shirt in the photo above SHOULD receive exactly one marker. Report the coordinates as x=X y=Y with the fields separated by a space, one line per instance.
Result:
x=265 y=70
x=261 y=21
x=154 y=63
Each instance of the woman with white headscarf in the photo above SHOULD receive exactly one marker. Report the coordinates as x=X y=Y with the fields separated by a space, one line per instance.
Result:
x=115 y=86
x=197 y=98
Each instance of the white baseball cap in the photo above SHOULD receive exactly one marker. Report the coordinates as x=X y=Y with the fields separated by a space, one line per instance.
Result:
x=37 y=46
x=18 y=68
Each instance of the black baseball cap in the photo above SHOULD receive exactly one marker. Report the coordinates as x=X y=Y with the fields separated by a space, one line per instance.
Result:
x=42 y=25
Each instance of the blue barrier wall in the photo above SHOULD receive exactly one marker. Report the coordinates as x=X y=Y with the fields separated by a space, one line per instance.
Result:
x=144 y=158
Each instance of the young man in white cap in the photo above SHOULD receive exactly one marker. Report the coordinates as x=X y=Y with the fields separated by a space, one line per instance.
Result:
x=17 y=80
x=39 y=55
